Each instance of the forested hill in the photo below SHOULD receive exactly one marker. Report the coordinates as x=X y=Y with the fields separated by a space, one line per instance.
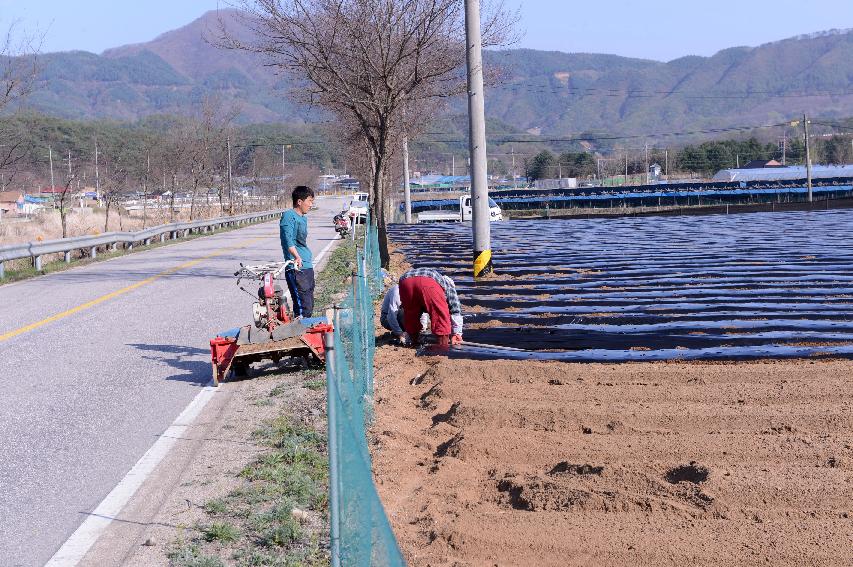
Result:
x=557 y=93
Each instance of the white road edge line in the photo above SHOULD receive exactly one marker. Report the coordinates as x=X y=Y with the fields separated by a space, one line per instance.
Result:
x=323 y=252
x=84 y=537
x=76 y=546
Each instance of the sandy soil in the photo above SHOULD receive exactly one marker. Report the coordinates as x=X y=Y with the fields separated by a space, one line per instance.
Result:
x=520 y=463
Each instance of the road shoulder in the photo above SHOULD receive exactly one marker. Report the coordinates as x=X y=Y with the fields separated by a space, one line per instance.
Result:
x=205 y=482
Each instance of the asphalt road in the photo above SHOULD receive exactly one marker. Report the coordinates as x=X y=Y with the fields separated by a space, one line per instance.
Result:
x=83 y=396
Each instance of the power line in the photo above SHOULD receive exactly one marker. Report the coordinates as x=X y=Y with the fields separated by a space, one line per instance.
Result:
x=834 y=125
x=612 y=137
x=641 y=93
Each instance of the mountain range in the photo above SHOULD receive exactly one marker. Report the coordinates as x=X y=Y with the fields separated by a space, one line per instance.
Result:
x=549 y=93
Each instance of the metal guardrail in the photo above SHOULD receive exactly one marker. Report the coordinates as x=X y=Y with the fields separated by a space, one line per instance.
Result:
x=36 y=250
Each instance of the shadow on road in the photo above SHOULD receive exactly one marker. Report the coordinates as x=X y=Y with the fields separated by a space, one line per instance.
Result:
x=183 y=358
x=198 y=372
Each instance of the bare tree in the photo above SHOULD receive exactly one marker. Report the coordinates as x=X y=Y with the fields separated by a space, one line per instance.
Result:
x=18 y=73
x=18 y=66
x=174 y=156
x=367 y=61
x=113 y=184
x=204 y=148
x=66 y=195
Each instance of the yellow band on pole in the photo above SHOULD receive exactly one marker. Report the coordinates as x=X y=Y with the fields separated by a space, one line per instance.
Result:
x=482 y=263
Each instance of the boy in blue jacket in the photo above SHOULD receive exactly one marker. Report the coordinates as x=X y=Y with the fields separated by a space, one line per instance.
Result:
x=293 y=230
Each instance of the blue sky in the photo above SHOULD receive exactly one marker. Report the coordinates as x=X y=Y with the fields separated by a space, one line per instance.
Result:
x=656 y=29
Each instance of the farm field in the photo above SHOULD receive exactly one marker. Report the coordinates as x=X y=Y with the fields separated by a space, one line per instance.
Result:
x=654 y=288
x=708 y=421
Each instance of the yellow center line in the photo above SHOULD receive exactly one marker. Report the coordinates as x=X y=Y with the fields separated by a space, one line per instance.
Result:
x=122 y=291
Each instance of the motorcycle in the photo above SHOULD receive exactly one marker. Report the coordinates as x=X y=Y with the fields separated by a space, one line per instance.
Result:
x=342 y=224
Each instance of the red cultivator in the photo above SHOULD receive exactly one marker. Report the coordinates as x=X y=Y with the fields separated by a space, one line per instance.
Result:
x=274 y=335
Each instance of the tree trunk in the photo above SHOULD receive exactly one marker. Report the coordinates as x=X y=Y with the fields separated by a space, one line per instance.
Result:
x=172 y=198
x=107 y=220
x=192 y=199
x=63 y=218
x=377 y=206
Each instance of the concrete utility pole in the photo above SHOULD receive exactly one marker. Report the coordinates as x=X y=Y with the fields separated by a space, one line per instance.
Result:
x=407 y=188
x=808 y=157
x=477 y=141
x=648 y=179
x=97 y=174
x=50 y=157
x=283 y=168
x=512 y=152
x=145 y=187
x=230 y=186
x=626 y=169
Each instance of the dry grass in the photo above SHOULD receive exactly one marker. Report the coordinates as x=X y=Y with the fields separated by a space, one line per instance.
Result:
x=47 y=225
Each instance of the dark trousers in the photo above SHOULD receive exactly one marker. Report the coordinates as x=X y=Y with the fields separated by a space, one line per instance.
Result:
x=301 y=286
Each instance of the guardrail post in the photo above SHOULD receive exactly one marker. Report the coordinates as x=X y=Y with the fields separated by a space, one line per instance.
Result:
x=147 y=241
x=129 y=246
x=67 y=257
x=2 y=271
x=37 y=263
x=93 y=252
x=174 y=235
x=163 y=237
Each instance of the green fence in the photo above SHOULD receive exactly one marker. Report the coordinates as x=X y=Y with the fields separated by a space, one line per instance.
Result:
x=360 y=532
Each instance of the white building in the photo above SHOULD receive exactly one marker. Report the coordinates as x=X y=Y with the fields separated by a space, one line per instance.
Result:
x=783 y=173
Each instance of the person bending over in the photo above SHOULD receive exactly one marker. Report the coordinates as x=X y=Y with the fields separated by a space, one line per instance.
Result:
x=424 y=290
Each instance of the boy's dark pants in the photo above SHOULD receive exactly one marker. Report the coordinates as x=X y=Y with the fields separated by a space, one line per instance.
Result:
x=301 y=286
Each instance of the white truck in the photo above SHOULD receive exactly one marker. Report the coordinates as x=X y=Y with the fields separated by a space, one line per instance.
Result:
x=462 y=214
x=358 y=206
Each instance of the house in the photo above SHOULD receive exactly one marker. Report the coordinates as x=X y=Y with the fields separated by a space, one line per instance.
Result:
x=11 y=202
x=562 y=183
x=33 y=205
x=760 y=163
x=655 y=171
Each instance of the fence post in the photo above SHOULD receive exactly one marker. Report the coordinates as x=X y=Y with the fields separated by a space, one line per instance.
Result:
x=331 y=420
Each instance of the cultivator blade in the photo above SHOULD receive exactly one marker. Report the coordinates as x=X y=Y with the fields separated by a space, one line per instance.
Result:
x=235 y=350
